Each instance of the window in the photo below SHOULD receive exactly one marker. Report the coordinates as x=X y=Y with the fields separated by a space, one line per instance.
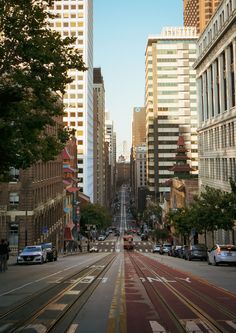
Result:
x=14 y=198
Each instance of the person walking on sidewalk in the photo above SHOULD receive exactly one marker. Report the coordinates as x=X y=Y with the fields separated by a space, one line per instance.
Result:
x=3 y=255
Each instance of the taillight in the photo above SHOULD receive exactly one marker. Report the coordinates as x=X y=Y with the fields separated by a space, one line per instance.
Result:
x=218 y=251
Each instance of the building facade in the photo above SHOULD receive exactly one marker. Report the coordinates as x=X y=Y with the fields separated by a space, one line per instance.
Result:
x=138 y=126
x=170 y=99
x=75 y=19
x=99 y=136
x=216 y=71
x=197 y=13
x=110 y=137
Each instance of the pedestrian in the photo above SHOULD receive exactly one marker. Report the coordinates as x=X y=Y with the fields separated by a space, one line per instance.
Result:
x=3 y=256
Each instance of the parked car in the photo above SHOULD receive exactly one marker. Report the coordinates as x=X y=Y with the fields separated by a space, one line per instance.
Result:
x=156 y=248
x=51 y=251
x=117 y=233
x=165 y=248
x=225 y=254
x=32 y=255
x=101 y=237
x=144 y=237
x=93 y=249
x=183 y=251
x=196 y=251
x=175 y=251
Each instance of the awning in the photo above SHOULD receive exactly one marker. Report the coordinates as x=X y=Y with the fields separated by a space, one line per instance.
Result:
x=72 y=189
x=67 y=234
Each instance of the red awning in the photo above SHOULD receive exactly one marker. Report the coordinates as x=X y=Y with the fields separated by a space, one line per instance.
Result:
x=67 y=234
x=72 y=189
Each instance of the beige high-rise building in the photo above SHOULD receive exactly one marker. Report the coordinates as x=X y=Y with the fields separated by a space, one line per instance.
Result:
x=171 y=103
x=138 y=126
x=99 y=136
x=75 y=19
x=197 y=13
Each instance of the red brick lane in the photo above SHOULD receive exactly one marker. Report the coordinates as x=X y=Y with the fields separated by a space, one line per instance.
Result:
x=175 y=287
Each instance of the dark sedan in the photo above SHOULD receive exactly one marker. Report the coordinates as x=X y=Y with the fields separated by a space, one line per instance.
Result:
x=196 y=251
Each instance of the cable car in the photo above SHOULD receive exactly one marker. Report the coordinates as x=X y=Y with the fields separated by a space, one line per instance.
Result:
x=128 y=242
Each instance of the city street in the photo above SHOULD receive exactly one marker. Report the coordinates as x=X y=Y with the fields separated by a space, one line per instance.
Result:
x=118 y=291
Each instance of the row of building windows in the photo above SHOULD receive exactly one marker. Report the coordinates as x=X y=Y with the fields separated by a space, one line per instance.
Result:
x=217 y=138
x=218 y=80
x=71 y=24
x=218 y=168
x=218 y=23
x=73 y=96
x=67 y=7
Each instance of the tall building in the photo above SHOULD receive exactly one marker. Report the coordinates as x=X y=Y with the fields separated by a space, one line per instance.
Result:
x=197 y=13
x=138 y=153
x=75 y=19
x=110 y=139
x=99 y=136
x=171 y=108
x=138 y=126
x=32 y=205
x=216 y=72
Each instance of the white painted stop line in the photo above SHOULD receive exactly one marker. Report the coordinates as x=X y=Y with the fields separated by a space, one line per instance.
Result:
x=157 y=328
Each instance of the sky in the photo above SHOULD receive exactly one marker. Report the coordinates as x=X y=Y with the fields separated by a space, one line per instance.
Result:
x=121 y=30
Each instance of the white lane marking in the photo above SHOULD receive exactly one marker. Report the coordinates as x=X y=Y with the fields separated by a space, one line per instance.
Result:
x=56 y=306
x=156 y=327
x=72 y=292
x=18 y=288
x=87 y=279
x=231 y=323
x=72 y=328
x=187 y=279
x=45 y=277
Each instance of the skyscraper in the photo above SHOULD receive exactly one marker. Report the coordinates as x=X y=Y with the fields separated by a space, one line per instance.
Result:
x=197 y=13
x=171 y=108
x=138 y=126
x=99 y=136
x=75 y=18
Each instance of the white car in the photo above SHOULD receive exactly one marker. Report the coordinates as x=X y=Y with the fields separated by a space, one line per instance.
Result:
x=102 y=237
x=32 y=255
x=225 y=254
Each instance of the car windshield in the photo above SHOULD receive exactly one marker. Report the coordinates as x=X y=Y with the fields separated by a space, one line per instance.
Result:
x=199 y=247
x=32 y=248
x=47 y=245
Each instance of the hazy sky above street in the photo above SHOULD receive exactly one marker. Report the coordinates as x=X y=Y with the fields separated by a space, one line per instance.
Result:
x=121 y=29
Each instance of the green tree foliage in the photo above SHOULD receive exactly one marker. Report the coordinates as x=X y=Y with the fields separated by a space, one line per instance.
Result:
x=212 y=210
x=153 y=211
x=182 y=220
x=160 y=234
x=94 y=214
x=34 y=64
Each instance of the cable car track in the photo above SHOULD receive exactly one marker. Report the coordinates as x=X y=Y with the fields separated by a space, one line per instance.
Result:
x=145 y=266
x=15 y=320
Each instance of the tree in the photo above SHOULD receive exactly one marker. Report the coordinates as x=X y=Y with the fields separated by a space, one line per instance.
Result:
x=160 y=234
x=182 y=220
x=95 y=215
x=34 y=64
